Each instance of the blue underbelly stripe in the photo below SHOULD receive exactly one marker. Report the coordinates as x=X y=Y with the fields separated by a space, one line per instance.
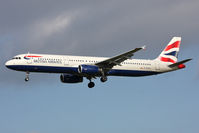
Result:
x=48 y=69
x=114 y=72
x=73 y=70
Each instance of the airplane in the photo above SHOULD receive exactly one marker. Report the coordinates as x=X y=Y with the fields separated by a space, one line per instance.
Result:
x=74 y=69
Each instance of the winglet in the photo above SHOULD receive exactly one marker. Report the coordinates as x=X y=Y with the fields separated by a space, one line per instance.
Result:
x=144 y=47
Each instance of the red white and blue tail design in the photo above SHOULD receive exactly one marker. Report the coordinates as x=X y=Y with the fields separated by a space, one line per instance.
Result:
x=170 y=53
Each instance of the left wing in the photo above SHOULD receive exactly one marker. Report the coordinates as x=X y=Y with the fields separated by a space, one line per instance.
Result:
x=111 y=62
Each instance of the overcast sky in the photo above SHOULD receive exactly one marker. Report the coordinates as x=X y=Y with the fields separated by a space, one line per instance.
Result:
x=164 y=103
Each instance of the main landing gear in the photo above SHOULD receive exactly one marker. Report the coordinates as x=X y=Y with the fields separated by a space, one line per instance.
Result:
x=27 y=76
x=92 y=84
x=103 y=79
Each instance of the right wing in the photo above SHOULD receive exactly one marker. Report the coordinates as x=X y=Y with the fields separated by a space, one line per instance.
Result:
x=117 y=60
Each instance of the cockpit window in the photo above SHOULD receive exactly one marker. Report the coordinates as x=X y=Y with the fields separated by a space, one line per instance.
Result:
x=16 y=58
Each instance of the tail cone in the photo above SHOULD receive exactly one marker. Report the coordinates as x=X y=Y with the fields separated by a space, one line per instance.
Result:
x=181 y=66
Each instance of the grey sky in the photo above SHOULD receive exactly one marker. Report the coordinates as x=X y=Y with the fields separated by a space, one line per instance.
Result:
x=87 y=27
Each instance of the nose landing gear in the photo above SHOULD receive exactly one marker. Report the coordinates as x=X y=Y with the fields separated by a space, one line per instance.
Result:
x=27 y=76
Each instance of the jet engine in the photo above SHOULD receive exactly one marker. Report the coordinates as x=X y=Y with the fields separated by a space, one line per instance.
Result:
x=69 y=78
x=89 y=69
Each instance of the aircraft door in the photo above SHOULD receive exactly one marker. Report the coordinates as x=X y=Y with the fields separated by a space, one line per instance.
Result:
x=157 y=66
x=65 y=61
x=28 y=59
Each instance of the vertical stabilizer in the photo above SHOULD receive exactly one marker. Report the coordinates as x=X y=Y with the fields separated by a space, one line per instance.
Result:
x=170 y=53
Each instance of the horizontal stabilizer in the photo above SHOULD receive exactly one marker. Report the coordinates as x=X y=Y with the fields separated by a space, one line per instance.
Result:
x=178 y=63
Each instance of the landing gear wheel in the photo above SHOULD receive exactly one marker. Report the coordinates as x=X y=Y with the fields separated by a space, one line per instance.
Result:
x=91 y=84
x=27 y=79
x=103 y=79
x=27 y=76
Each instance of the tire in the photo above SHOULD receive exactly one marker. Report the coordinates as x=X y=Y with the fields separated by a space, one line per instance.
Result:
x=26 y=79
x=91 y=85
x=103 y=79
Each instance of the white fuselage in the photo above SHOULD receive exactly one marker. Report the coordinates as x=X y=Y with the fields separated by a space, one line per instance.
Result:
x=69 y=64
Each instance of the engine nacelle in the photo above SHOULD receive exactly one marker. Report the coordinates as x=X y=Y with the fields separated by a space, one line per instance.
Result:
x=69 y=78
x=89 y=69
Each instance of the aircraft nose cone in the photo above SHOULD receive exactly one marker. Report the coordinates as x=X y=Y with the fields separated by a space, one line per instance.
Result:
x=8 y=64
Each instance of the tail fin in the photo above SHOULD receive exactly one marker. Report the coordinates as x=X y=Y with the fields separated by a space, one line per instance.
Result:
x=170 y=53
